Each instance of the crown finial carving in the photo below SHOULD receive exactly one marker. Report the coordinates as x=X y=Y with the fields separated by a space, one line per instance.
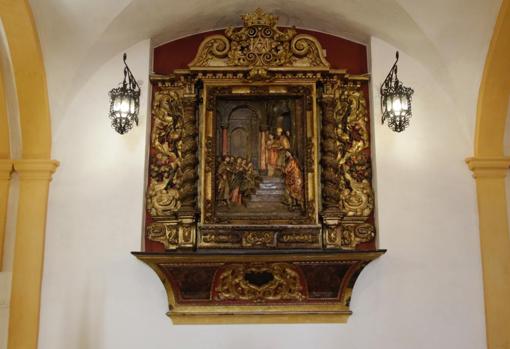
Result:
x=259 y=17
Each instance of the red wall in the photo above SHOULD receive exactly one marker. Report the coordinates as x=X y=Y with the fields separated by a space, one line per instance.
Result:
x=340 y=53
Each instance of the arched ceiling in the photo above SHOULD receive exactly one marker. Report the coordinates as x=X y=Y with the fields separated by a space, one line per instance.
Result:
x=449 y=37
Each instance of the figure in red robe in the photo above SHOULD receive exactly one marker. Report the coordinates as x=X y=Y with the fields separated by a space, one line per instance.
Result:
x=293 y=182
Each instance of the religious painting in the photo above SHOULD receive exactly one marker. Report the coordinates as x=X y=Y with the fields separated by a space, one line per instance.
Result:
x=260 y=158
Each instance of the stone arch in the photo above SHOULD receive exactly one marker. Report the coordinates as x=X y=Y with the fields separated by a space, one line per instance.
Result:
x=490 y=167
x=30 y=77
x=34 y=169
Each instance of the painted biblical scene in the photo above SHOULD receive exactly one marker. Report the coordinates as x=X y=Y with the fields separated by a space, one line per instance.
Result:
x=260 y=152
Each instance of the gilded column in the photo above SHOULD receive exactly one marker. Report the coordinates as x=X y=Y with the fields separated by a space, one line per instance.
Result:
x=490 y=174
x=35 y=176
x=330 y=202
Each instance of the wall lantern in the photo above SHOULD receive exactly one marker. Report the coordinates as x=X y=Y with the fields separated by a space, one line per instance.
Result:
x=125 y=102
x=395 y=101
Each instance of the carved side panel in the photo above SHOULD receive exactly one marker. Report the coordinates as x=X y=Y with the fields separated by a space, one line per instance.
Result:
x=172 y=188
x=347 y=195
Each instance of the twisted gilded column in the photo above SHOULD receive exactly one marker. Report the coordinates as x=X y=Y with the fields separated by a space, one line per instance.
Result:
x=34 y=180
x=489 y=174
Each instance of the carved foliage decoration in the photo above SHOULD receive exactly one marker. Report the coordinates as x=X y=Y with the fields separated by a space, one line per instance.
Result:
x=354 y=158
x=260 y=45
x=347 y=195
x=259 y=283
x=166 y=170
x=172 y=184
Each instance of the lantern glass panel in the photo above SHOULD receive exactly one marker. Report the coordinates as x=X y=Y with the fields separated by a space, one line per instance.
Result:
x=397 y=106
x=405 y=104
x=388 y=104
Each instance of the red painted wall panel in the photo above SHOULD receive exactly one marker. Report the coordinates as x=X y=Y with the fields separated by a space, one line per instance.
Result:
x=341 y=53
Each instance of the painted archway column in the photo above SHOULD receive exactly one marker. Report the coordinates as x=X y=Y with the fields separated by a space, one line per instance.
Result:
x=5 y=165
x=5 y=179
x=489 y=174
x=34 y=180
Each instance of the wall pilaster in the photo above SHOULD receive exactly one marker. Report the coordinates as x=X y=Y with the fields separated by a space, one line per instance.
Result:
x=34 y=179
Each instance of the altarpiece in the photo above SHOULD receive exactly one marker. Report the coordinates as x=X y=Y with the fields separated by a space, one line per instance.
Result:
x=259 y=180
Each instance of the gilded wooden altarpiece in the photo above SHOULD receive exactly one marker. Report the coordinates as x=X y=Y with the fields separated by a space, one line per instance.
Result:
x=259 y=181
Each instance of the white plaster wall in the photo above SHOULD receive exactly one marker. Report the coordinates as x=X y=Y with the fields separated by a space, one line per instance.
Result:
x=426 y=292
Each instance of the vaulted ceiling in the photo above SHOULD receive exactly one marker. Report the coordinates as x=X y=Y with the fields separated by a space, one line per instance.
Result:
x=449 y=37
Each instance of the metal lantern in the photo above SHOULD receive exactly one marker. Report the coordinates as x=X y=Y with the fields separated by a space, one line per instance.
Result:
x=395 y=101
x=125 y=102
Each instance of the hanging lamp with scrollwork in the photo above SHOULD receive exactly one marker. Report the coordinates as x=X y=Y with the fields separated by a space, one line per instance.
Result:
x=395 y=101
x=125 y=102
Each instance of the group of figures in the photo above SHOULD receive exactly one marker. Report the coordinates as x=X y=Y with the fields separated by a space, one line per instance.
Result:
x=237 y=180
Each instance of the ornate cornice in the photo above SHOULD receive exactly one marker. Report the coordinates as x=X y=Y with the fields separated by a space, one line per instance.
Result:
x=489 y=167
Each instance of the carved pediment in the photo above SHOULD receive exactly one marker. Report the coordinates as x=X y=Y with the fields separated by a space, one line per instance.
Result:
x=259 y=46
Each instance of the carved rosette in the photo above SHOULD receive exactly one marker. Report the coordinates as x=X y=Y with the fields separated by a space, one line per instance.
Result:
x=172 y=183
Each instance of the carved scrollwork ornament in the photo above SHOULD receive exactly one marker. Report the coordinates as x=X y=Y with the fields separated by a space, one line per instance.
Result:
x=354 y=161
x=259 y=239
x=165 y=168
x=260 y=45
x=259 y=283
x=167 y=234
x=354 y=234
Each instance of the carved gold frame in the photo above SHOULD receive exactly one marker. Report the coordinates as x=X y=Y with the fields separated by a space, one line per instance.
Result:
x=245 y=271
x=305 y=90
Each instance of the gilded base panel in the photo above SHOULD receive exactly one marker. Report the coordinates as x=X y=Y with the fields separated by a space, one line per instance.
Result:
x=299 y=287
x=292 y=318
